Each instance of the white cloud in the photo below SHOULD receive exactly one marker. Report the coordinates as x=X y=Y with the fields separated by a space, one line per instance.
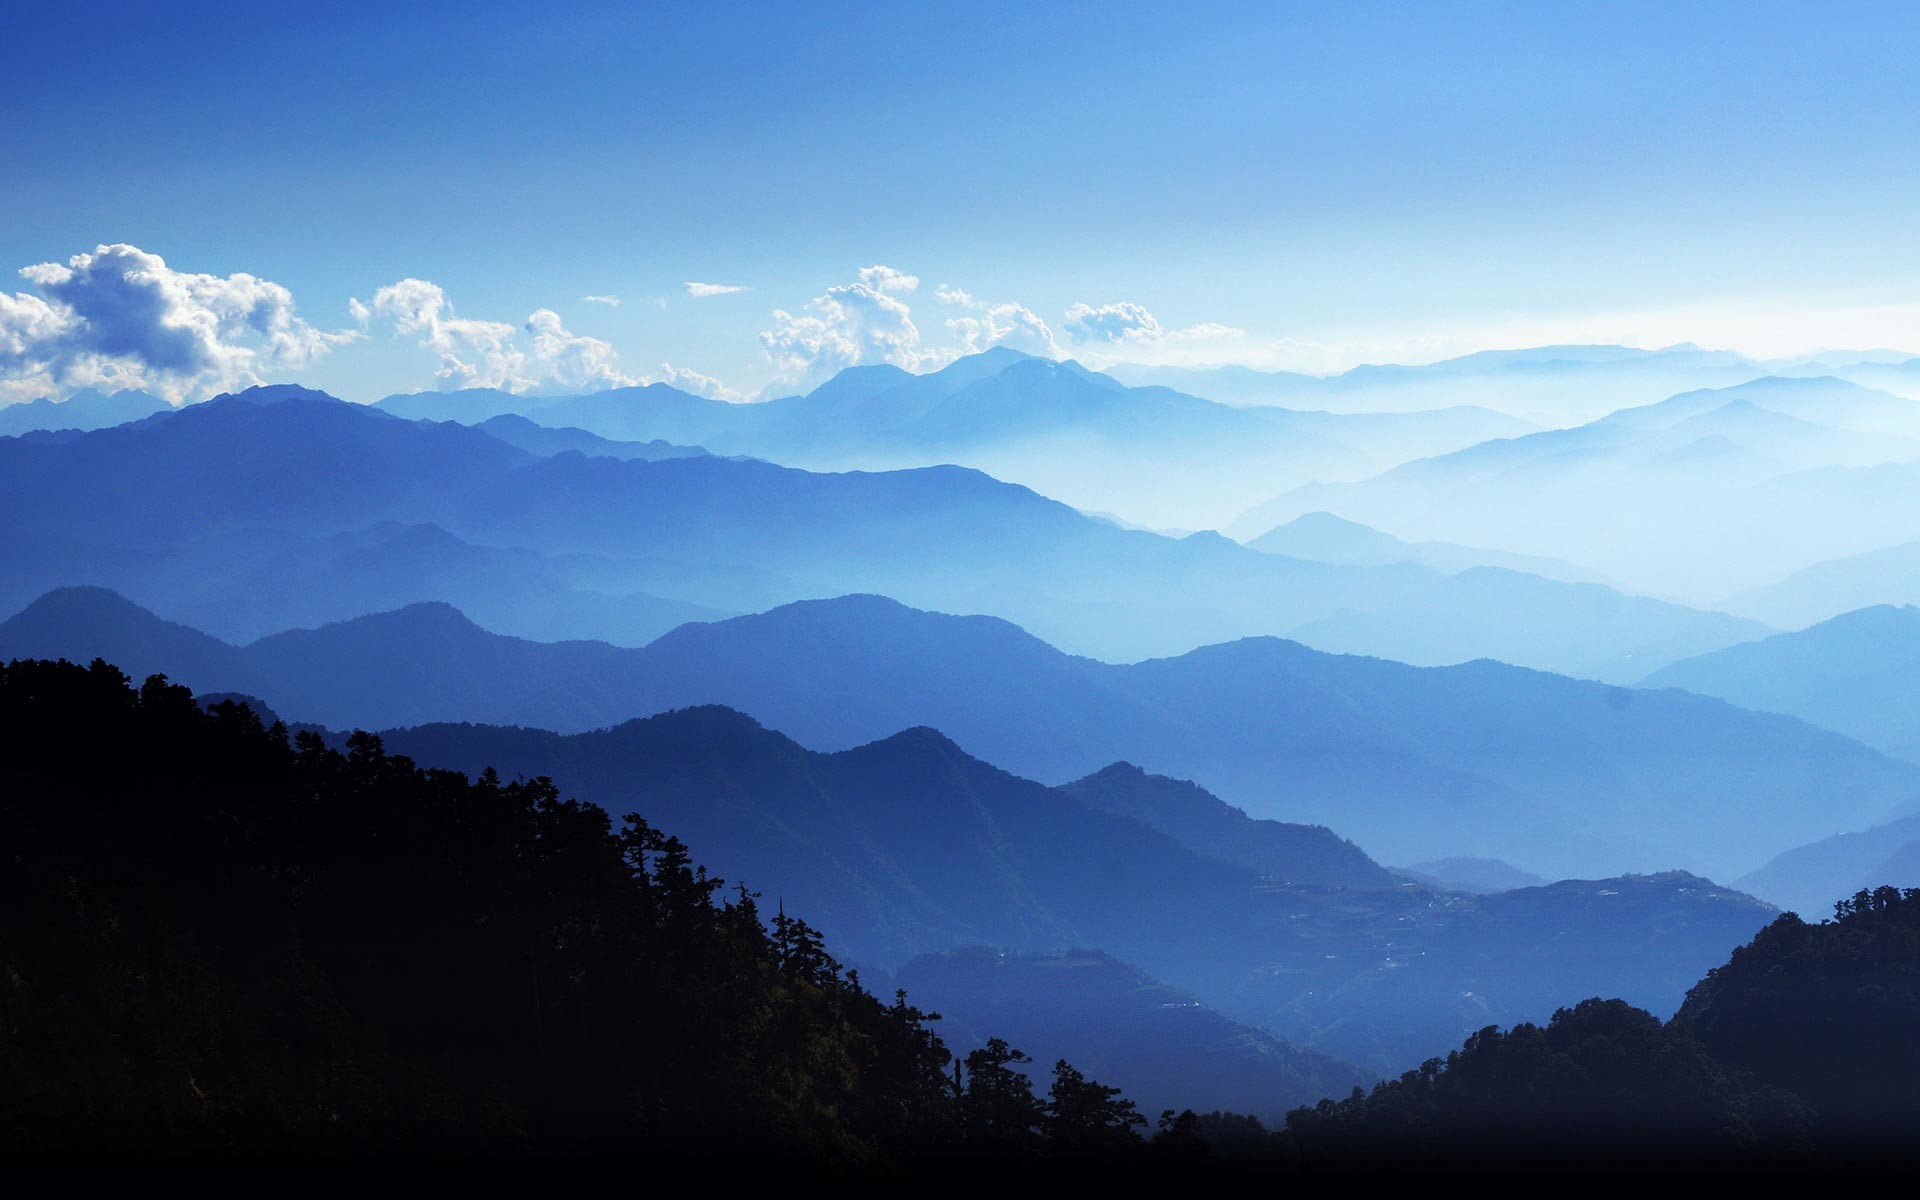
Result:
x=947 y=294
x=477 y=353
x=1013 y=325
x=121 y=317
x=472 y=353
x=570 y=360
x=703 y=290
x=850 y=324
x=609 y=301
x=1113 y=323
x=886 y=279
x=696 y=383
x=1206 y=331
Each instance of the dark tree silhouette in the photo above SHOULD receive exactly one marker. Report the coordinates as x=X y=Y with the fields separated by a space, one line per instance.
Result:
x=998 y=1109
x=1088 y=1118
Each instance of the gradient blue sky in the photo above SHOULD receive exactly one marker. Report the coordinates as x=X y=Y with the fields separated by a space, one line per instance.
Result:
x=1341 y=182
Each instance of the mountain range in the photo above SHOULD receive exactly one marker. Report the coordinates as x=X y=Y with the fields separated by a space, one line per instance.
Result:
x=909 y=846
x=284 y=507
x=86 y=409
x=1554 y=386
x=1558 y=776
x=1811 y=879
x=1854 y=674
x=1151 y=454
x=1699 y=495
x=1163 y=1047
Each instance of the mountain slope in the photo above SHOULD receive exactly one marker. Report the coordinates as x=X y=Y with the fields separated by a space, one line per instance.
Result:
x=1324 y=537
x=1556 y=775
x=909 y=846
x=1304 y=854
x=1694 y=496
x=1811 y=879
x=86 y=409
x=1582 y=629
x=1152 y=453
x=1163 y=1047
x=1827 y=589
x=721 y=534
x=1852 y=674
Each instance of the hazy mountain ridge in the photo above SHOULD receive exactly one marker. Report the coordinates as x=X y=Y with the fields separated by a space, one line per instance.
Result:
x=1554 y=774
x=1162 y=1045
x=1853 y=674
x=1694 y=496
x=1152 y=454
x=908 y=846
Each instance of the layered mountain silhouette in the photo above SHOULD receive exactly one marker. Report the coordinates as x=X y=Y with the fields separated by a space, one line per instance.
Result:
x=282 y=507
x=136 y=506
x=1888 y=575
x=1323 y=537
x=1163 y=1047
x=909 y=846
x=1581 y=629
x=1152 y=453
x=1854 y=674
x=1551 y=385
x=1558 y=776
x=1476 y=875
x=516 y=430
x=1699 y=495
x=1811 y=879
x=85 y=409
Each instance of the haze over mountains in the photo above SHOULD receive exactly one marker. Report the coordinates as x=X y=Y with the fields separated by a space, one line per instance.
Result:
x=1152 y=454
x=1555 y=386
x=1559 y=776
x=1855 y=674
x=217 y=513
x=1694 y=497
x=1374 y=976
x=1137 y=811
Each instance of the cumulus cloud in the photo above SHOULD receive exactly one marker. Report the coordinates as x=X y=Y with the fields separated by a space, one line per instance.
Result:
x=886 y=279
x=479 y=353
x=947 y=294
x=853 y=323
x=1113 y=323
x=696 y=383
x=1009 y=324
x=703 y=290
x=121 y=317
x=609 y=301
x=1206 y=331
x=571 y=360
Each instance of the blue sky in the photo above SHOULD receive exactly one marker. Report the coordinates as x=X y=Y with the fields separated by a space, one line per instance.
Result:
x=1335 y=182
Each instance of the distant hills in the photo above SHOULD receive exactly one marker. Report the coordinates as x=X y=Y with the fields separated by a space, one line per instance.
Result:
x=1889 y=575
x=1150 y=454
x=86 y=409
x=167 y=507
x=1323 y=537
x=1558 y=776
x=1550 y=385
x=283 y=507
x=1855 y=674
x=910 y=846
x=1811 y=879
x=1698 y=495
x=1585 y=629
x=1476 y=875
x=516 y=430
x=1162 y=1046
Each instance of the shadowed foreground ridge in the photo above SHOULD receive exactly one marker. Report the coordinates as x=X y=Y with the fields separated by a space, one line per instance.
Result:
x=217 y=938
